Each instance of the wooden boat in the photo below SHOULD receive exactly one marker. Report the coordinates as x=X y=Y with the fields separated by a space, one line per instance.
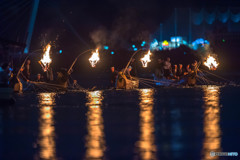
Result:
x=168 y=82
x=124 y=83
x=61 y=83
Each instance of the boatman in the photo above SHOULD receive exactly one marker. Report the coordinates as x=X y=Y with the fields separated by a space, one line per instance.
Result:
x=113 y=77
x=26 y=71
x=167 y=68
x=180 y=71
x=159 y=68
x=128 y=72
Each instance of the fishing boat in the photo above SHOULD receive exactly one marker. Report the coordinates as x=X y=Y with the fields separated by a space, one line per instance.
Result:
x=124 y=83
x=168 y=82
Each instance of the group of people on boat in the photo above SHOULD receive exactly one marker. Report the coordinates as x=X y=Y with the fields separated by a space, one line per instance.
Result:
x=165 y=70
x=162 y=70
x=16 y=79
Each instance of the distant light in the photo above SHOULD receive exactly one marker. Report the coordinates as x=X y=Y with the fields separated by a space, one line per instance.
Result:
x=133 y=46
x=165 y=43
x=223 y=40
x=106 y=47
x=142 y=44
x=60 y=51
x=206 y=42
x=112 y=52
x=176 y=39
x=154 y=44
x=185 y=53
x=135 y=49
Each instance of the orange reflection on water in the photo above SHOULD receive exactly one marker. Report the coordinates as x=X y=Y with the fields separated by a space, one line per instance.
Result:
x=46 y=136
x=95 y=142
x=211 y=126
x=146 y=147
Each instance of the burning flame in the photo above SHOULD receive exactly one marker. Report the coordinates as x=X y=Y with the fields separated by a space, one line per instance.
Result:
x=146 y=59
x=94 y=58
x=211 y=63
x=46 y=60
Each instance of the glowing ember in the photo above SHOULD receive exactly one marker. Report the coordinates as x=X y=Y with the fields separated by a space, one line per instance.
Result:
x=146 y=59
x=211 y=63
x=94 y=58
x=46 y=60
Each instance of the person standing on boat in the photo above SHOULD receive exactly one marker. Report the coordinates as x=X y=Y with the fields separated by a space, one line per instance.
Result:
x=192 y=74
x=159 y=68
x=4 y=75
x=167 y=68
x=75 y=85
x=174 y=72
x=133 y=64
x=49 y=74
x=113 y=77
x=128 y=72
x=26 y=71
x=180 y=71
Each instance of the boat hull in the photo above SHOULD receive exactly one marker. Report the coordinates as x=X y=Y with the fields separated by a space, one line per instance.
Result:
x=125 y=83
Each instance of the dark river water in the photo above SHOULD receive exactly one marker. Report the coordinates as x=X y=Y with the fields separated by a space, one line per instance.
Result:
x=167 y=123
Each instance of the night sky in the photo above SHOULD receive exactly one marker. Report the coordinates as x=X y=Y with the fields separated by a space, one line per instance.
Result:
x=76 y=24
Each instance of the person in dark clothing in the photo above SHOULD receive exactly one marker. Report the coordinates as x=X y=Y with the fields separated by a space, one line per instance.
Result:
x=114 y=75
x=75 y=85
x=48 y=75
x=167 y=68
x=26 y=71
x=39 y=78
x=192 y=74
x=4 y=75
x=159 y=68
x=62 y=77
x=194 y=66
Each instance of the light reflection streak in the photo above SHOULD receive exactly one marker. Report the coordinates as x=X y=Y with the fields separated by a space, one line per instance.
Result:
x=146 y=147
x=211 y=126
x=46 y=136
x=95 y=141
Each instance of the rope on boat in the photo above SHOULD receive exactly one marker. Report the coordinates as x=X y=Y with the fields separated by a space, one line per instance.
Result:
x=157 y=81
x=216 y=75
x=146 y=84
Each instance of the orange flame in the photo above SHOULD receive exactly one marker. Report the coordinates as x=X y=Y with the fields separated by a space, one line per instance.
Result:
x=146 y=59
x=211 y=63
x=94 y=58
x=46 y=60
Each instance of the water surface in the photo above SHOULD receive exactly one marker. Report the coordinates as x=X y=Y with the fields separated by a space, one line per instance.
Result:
x=167 y=123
